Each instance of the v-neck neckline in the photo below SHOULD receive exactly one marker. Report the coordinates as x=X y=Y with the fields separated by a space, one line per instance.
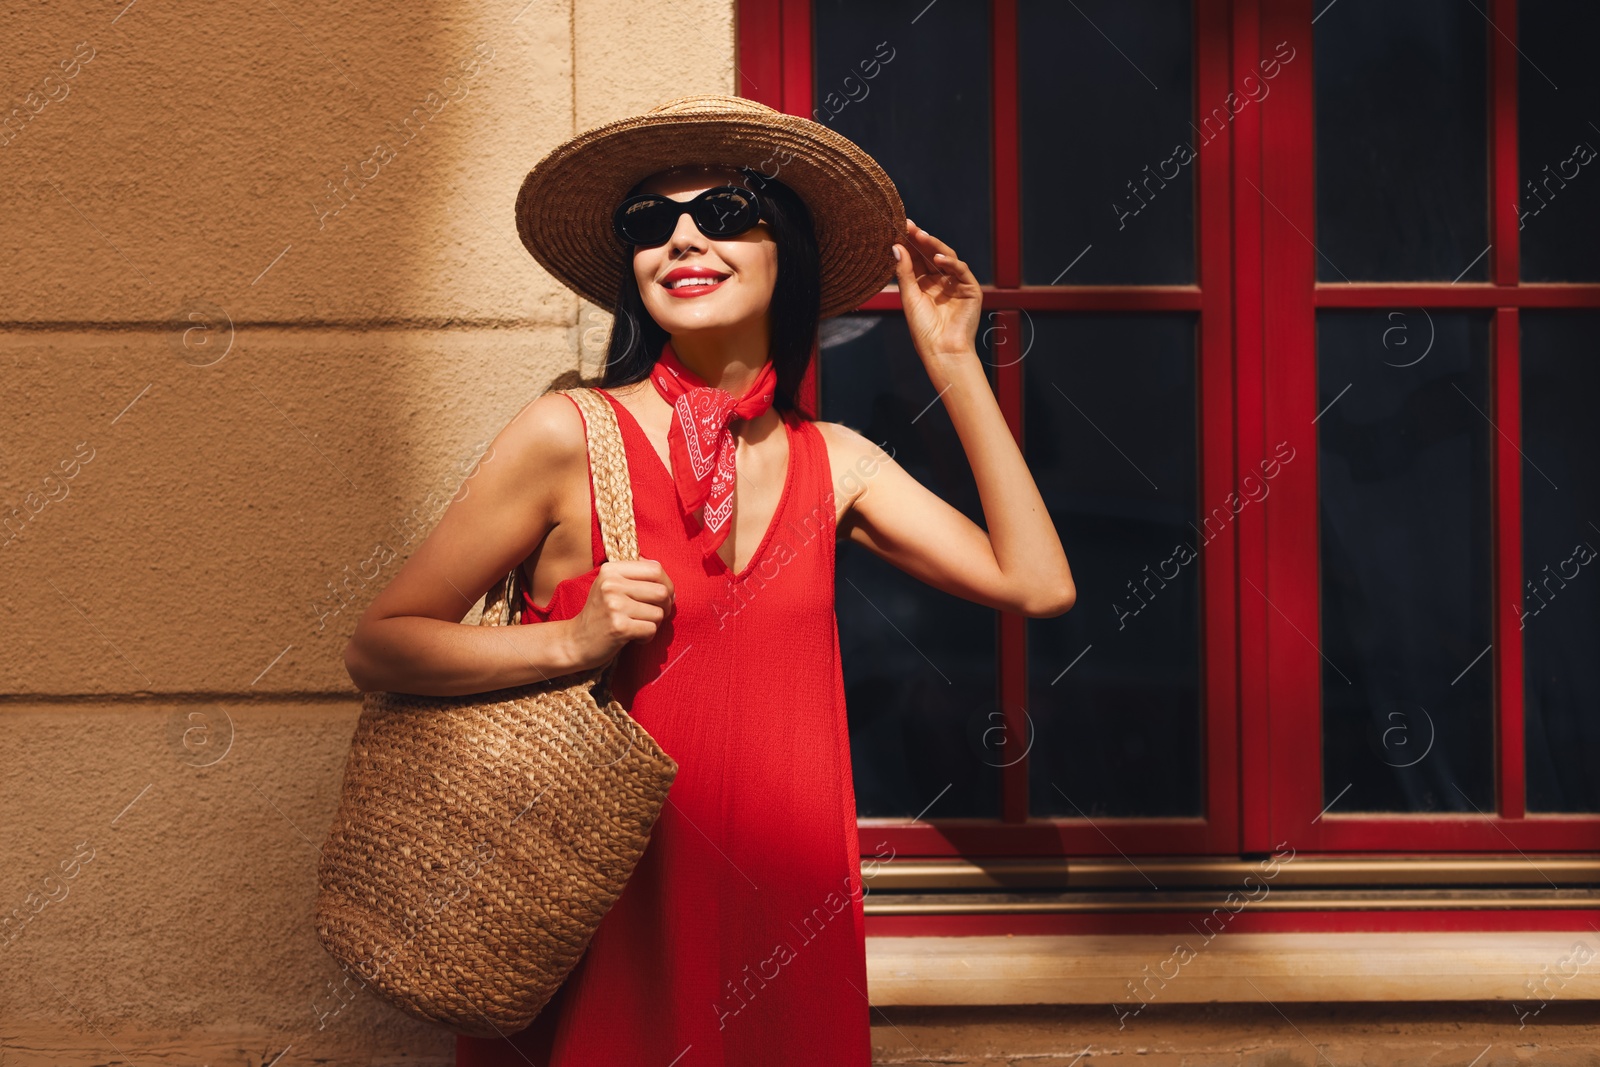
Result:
x=665 y=474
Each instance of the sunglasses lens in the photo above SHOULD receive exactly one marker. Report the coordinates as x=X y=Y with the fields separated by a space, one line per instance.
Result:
x=726 y=211
x=647 y=222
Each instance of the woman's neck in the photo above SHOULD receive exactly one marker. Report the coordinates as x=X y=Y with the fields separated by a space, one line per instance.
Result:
x=726 y=360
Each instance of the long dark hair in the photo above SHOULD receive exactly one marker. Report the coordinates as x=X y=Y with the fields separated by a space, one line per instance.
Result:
x=637 y=339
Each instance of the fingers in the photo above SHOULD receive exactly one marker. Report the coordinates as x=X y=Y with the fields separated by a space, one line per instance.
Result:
x=905 y=273
x=628 y=609
x=940 y=257
x=641 y=570
x=643 y=582
x=921 y=257
x=645 y=597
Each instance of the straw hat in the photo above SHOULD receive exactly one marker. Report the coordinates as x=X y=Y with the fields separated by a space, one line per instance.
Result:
x=564 y=206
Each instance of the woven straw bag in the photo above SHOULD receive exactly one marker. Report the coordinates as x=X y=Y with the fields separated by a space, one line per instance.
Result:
x=480 y=839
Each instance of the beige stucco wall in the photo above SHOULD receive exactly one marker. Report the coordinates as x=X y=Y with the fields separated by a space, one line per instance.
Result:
x=201 y=507
x=204 y=504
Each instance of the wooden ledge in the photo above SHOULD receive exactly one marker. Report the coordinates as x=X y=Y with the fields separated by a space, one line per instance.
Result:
x=1173 y=872
x=1018 y=902
x=1127 y=971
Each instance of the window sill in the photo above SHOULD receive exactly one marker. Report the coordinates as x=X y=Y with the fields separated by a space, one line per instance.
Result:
x=1183 y=872
x=1231 y=901
x=1129 y=971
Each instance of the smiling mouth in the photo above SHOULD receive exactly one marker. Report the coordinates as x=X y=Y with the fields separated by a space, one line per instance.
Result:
x=696 y=285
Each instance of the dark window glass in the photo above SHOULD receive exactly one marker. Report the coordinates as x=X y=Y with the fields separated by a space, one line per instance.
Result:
x=1403 y=437
x=1401 y=141
x=1114 y=684
x=909 y=82
x=919 y=664
x=1106 y=110
x=1558 y=83
x=1560 y=610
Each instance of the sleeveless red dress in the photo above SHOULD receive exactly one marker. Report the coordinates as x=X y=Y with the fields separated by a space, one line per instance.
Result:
x=740 y=937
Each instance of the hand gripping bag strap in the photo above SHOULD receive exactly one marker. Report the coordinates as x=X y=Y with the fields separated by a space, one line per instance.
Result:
x=608 y=464
x=613 y=494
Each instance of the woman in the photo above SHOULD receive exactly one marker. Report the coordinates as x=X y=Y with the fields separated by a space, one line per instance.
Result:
x=739 y=937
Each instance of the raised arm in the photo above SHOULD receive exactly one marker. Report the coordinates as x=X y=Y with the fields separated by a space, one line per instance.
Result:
x=1018 y=564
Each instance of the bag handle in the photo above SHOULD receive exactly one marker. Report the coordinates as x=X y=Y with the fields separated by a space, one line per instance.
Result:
x=613 y=498
x=608 y=460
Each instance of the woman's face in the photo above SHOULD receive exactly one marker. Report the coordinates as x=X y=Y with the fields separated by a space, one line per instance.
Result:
x=747 y=263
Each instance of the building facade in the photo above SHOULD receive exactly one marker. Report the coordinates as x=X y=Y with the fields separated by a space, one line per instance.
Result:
x=1292 y=306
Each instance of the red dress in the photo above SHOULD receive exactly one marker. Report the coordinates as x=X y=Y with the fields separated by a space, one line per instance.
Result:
x=740 y=937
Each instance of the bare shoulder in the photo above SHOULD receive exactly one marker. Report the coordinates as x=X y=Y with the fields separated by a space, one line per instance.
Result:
x=547 y=431
x=538 y=457
x=853 y=459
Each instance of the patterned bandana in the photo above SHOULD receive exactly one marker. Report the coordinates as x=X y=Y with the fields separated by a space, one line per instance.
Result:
x=699 y=440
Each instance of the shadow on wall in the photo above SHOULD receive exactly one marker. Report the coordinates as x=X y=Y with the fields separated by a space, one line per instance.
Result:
x=264 y=305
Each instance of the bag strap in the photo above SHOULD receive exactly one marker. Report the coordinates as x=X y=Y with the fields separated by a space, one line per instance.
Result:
x=608 y=462
x=613 y=500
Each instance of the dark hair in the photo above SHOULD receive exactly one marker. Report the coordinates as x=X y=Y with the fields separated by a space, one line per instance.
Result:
x=636 y=337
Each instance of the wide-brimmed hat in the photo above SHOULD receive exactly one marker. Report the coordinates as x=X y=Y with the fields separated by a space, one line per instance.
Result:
x=564 y=206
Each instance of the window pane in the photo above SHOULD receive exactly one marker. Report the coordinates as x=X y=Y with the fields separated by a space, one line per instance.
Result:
x=909 y=82
x=919 y=665
x=1403 y=437
x=1561 y=598
x=1114 y=684
x=1401 y=141
x=1115 y=176
x=1558 y=83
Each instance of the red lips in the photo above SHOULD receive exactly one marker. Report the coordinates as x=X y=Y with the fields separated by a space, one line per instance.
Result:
x=694 y=288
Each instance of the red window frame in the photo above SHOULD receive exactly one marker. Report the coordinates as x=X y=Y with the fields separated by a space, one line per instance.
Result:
x=1287 y=697
x=1254 y=204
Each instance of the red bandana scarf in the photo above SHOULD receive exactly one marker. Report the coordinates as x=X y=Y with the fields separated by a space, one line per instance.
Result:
x=699 y=440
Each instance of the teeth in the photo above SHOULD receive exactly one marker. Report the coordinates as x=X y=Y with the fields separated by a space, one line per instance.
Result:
x=681 y=282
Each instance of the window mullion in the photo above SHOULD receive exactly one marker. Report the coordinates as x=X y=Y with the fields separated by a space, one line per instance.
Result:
x=1503 y=141
x=1005 y=327
x=1506 y=383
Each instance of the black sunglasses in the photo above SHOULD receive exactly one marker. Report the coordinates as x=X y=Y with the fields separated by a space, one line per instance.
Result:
x=722 y=212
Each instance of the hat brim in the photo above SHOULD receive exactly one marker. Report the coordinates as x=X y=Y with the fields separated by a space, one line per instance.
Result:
x=565 y=203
